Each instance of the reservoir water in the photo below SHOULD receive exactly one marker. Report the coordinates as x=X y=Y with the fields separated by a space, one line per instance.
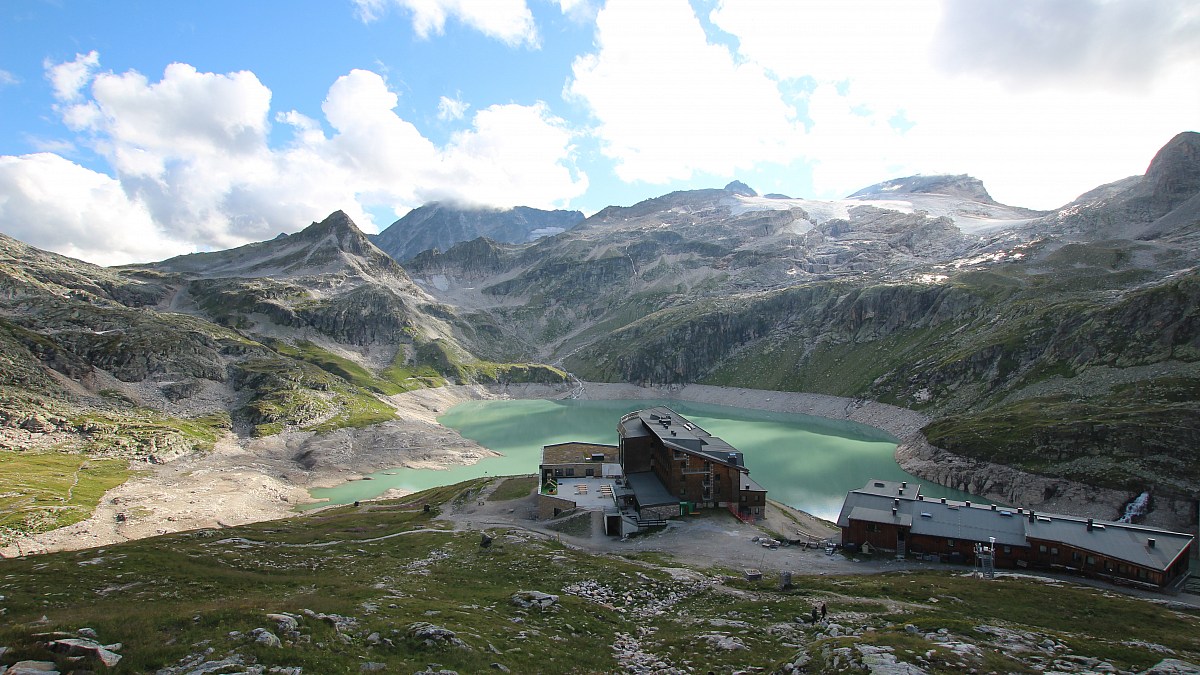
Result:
x=803 y=461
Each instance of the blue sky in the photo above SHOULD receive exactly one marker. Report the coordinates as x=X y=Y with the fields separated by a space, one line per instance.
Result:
x=131 y=131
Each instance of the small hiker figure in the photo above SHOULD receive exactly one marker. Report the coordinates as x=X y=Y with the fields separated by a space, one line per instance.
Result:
x=814 y=614
x=824 y=611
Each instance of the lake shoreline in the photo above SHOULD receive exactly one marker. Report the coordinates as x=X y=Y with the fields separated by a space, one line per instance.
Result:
x=288 y=465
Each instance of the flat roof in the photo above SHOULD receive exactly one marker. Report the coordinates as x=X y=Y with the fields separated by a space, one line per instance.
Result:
x=892 y=488
x=589 y=493
x=574 y=453
x=649 y=490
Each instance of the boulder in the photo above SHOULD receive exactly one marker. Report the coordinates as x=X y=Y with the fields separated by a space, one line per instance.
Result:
x=534 y=600
x=430 y=635
x=85 y=647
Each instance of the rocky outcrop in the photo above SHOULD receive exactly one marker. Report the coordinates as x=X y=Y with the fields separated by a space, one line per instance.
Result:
x=440 y=226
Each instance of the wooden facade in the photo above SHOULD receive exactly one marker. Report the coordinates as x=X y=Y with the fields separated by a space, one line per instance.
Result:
x=696 y=468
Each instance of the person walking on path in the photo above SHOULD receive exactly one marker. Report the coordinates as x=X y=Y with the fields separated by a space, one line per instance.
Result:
x=824 y=610
x=814 y=614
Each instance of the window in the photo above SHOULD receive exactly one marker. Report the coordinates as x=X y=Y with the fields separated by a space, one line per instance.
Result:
x=571 y=471
x=1091 y=560
x=872 y=527
x=1075 y=556
x=950 y=543
x=558 y=472
x=1054 y=551
x=1008 y=549
x=1042 y=548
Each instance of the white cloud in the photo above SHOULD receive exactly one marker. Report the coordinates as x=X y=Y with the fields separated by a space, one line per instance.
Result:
x=1088 y=42
x=669 y=104
x=509 y=21
x=1041 y=100
x=69 y=78
x=452 y=108
x=194 y=169
x=7 y=78
x=53 y=203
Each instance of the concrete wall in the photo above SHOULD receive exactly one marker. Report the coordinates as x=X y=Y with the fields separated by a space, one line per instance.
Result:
x=547 y=504
x=659 y=512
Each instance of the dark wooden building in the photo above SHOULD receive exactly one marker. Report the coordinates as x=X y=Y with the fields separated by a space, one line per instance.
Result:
x=675 y=466
x=895 y=517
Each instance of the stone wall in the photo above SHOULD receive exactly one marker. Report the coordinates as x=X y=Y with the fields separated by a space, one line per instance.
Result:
x=547 y=504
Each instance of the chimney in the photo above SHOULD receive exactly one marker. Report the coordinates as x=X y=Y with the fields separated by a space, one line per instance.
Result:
x=1020 y=510
x=993 y=507
x=1031 y=515
x=920 y=498
x=903 y=484
x=894 y=515
x=967 y=504
x=895 y=504
x=943 y=500
x=901 y=490
x=1150 y=542
x=1089 y=524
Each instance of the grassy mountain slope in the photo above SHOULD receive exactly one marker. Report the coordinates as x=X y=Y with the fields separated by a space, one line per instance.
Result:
x=390 y=584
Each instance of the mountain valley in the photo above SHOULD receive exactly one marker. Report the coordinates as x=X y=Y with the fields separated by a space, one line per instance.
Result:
x=1063 y=344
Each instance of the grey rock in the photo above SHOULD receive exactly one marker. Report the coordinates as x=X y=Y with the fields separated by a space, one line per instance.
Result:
x=534 y=599
x=372 y=667
x=1173 y=667
x=33 y=668
x=85 y=647
x=430 y=635
x=265 y=637
x=286 y=622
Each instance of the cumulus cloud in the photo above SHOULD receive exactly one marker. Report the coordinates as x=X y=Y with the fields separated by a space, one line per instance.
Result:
x=1042 y=100
x=194 y=169
x=53 y=203
x=452 y=108
x=670 y=104
x=509 y=21
x=69 y=78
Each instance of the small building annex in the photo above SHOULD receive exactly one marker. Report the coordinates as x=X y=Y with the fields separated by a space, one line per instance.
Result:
x=665 y=466
x=895 y=516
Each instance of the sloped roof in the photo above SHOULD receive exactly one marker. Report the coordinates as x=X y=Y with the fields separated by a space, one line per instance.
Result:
x=678 y=433
x=977 y=522
x=1122 y=541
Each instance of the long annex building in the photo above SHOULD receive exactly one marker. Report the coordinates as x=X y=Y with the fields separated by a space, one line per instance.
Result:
x=894 y=516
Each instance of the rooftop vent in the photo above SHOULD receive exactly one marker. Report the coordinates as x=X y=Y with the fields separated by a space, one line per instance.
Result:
x=1031 y=514
x=901 y=490
x=943 y=500
x=1150 y=542
x=879 y=484
x=993 y=507
x=1006 y=513
x=895 y=502
x=920 y=498
x=672 y=432
x=1090 y=524
x=893 y=512
x=903 y=484
x=926 y=514
x=1043 y=519
x=967 y=503
x=597 y=456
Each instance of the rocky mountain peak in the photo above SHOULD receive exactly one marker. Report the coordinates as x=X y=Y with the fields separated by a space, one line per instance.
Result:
x=441 y=225
x=961 y=186
x=737 y=187
x=1174 y=173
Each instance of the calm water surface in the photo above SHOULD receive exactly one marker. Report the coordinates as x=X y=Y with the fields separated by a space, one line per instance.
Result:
x=803 y=461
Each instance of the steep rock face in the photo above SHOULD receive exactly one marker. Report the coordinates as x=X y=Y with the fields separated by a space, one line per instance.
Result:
x=1161 y=202
x=441 y=226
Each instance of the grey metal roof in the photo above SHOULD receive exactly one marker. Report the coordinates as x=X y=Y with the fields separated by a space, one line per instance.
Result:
x=956 y=520
x=749 y=484
x=1121 y=541
x=649 y=490
x=678 y=432
x=870 y=515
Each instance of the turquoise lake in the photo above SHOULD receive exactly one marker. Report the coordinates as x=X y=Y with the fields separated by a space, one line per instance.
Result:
x=804 y=461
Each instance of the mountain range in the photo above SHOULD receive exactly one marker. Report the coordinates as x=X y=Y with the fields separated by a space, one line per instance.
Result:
x=1064 y=342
